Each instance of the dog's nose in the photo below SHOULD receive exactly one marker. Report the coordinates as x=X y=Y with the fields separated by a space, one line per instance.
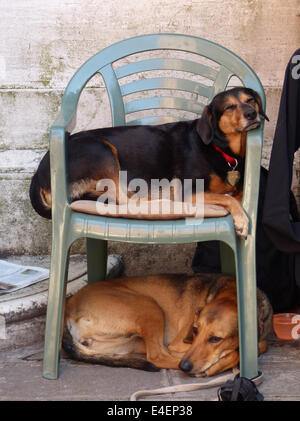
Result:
x=250 y=114
x=185 y=365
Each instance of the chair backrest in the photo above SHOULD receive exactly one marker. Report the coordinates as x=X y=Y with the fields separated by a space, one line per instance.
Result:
x=195 y=82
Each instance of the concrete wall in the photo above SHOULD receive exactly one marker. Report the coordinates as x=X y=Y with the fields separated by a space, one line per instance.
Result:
x=42 y=43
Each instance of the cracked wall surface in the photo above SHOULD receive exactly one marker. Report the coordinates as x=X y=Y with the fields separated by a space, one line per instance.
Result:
x=43 y=43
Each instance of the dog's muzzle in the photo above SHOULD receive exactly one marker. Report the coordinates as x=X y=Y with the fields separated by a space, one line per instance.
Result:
x=186 y=366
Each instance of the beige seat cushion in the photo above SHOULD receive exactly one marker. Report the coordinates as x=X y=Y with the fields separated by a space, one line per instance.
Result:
x=144 y=211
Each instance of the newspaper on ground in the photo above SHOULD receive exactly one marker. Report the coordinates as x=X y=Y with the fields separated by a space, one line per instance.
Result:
x=14 y=277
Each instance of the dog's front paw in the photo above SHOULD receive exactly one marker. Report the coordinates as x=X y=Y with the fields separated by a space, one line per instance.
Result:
x=241 y=225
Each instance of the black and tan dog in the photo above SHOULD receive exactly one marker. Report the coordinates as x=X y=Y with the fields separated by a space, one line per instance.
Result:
x=178 y=322
x=206 y=148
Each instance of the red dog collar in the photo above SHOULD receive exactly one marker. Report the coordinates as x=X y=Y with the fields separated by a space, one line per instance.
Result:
x=229 y=159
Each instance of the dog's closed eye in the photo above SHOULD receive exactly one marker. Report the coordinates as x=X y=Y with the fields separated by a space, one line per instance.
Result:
x=87 y=342
x=230 y=107
x=214 y=339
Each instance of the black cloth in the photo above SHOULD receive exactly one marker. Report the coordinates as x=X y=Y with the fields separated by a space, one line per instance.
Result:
x=239 y=389
x=283 y=230
x=274 y=268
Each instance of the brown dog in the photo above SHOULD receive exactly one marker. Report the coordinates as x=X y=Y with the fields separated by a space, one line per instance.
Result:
x=177 y=321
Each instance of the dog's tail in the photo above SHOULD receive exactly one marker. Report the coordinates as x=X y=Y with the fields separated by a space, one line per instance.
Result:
x=111 y=360
x=38 y=203
x=40 y=189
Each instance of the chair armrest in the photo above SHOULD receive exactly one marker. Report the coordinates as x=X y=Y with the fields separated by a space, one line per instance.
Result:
x=58 y=166
x=63 y=123
x=252 y=173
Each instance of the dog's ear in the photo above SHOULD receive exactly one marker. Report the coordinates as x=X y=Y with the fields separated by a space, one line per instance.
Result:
x=259 y=102
x=216 y=286
x=204 y=126
x=189 y=337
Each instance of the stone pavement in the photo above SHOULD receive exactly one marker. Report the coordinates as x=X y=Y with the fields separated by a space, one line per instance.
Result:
x=21 y=378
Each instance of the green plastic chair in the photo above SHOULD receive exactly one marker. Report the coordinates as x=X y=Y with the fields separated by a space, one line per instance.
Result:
x=238 y=256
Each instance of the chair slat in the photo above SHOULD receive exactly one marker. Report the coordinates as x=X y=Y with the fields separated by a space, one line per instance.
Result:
x=163 y=102
x=166 y=64
x=154 y=120
x=167 y=83
x=221 y=81
x=115 y=97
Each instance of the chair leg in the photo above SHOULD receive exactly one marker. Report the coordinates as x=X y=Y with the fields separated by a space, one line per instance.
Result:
x=247 y=307
x=55 y=309
x=96 y=259
x=227 y=259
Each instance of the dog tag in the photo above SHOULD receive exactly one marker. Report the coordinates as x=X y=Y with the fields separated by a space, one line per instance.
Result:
x=233 y=177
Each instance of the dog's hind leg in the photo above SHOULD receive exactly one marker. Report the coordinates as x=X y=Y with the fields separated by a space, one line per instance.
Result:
x=152 y=330
x=91 y=319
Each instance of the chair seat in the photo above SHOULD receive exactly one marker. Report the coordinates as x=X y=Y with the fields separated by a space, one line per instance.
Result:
x=87 y=222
